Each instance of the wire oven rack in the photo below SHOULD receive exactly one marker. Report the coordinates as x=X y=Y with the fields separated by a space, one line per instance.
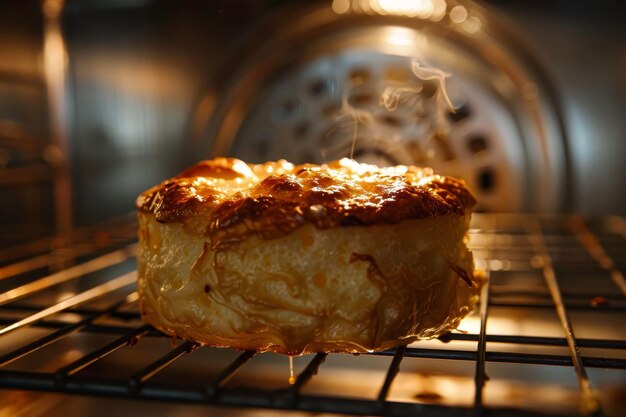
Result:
x=83 y=283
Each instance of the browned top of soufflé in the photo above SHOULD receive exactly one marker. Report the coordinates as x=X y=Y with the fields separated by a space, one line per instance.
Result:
x=229 y=197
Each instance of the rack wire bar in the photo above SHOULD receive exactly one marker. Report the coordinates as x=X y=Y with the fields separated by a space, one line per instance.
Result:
x=128 y=339
x=74 y=272
x=618 y=225
x=523 y=238
x=579 y=229
x=228 y=373
x=570 y=306
x=589 y=403
x=241 y=397
x=60 y=333
x=392 y=371
x=507 y=357
x=442 y=354
x=469 y=337
x=535 y=340
x=541 y=292
x=481 y=347
x=149 y=371
x=70 y=252
x=77 y=235
x=33 y=263
x=89 y=295
x=479 y=378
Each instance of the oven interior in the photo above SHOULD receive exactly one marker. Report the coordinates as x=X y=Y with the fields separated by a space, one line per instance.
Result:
x=97 y=104
x=548 y=337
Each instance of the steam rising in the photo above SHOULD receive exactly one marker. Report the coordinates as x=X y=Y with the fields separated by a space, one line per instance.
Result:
x=348 y=120
x=394 y=96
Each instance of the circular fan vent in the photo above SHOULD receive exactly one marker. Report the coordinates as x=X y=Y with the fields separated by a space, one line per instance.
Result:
x=344 y=86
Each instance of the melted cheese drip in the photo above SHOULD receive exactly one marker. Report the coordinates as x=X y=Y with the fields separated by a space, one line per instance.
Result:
x=292 y=378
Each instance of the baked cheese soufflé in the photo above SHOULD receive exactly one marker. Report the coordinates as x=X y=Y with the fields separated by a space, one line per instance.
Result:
x=294 y=259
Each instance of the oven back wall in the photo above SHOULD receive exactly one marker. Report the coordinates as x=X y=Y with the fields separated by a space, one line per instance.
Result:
x=133 y=75
x=137 y=72
x=25 y=176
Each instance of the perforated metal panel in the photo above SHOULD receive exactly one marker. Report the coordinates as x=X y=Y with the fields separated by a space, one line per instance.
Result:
x=314 y=90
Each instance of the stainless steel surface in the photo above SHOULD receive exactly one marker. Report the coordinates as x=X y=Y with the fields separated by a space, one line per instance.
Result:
x=26 y=177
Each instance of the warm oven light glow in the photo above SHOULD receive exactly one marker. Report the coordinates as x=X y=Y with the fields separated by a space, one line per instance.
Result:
x=341 y=6
x=472 y=24
x=411 y=8
x=439 y=10
x=424 y=9
x=400 y=37
x=434 y=10
x=458 y=14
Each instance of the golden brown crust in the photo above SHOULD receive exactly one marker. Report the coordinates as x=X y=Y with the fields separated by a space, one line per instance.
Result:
x=378 y=258
x=229 y=199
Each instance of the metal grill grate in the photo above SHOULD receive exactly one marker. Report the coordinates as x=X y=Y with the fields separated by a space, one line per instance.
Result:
x=538 y=266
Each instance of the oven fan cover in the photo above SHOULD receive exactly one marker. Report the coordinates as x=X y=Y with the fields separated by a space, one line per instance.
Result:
x=328 y=86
